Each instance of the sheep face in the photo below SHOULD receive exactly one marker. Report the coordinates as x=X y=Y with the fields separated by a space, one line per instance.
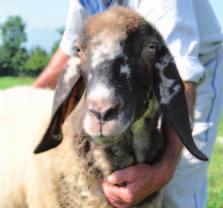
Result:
x=120 y=60
x=118 y=80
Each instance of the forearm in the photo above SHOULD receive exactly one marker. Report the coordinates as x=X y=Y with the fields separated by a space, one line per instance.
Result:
x=190 y=92
x=165 y=167
x=48 y=78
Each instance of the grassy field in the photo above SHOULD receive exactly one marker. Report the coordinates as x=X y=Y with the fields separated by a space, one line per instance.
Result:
x=6 y=82
x=220 y=129
x=215 y=174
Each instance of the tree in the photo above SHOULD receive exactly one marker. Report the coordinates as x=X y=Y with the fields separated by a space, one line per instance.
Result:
x=5 y=61
x=37 y=60
x=13 y=33
x=18 y=62
x=12 y=55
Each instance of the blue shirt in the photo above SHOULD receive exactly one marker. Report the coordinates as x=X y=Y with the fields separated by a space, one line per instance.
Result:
x=95 y=6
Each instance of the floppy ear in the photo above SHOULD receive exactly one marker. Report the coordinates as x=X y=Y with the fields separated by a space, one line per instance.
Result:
x=169 y=90
x=68 y=92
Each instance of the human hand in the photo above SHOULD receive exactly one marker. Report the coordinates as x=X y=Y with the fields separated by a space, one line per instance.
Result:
x=130 y=186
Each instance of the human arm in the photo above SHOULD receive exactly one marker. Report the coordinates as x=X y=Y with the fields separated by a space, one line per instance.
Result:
x=190 y=93
x=142 y=179
x=48 y=78
x=76 y=15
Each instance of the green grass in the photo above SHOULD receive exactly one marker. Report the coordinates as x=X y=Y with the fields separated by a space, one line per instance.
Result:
x=215 y=173
x=215 y=178
x=6 y=82
x=220 y=128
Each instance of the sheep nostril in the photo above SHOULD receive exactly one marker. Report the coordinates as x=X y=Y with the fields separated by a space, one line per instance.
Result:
x=96 y=114
x=108 y=113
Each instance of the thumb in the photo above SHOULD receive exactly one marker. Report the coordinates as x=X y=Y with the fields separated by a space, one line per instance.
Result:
x=121 y=176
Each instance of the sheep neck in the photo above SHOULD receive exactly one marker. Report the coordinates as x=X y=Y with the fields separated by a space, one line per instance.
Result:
x=102 y=160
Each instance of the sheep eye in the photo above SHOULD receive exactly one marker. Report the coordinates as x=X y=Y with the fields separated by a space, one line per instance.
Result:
x=77 y=49
x=152 y=47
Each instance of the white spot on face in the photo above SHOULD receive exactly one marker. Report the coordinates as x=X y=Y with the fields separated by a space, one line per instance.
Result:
x=166 y=60
x=100 y=92
x=72 y=69
x=166 y=94
x=107 y=47
x=89 y=76
x=125 y=70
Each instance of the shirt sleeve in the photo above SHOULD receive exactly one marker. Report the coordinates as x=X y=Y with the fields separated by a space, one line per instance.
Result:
x=75 y=20
x=176 y=21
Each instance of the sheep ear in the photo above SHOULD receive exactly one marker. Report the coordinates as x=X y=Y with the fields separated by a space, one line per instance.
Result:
x=169 y=91
x=68 y=92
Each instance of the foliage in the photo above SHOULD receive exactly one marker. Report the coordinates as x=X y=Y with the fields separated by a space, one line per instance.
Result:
x=12 y=55
x=13 y=33
x=5 y=61
x=37 y=60
x=18 y=61
x=15 y=60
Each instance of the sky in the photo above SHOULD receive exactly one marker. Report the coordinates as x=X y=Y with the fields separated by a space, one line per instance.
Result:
x=43 y=17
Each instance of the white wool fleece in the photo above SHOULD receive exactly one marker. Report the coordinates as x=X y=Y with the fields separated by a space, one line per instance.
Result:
x=28 y=110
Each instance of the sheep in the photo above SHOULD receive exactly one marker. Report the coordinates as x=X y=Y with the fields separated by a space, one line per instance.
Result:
x=104 y=116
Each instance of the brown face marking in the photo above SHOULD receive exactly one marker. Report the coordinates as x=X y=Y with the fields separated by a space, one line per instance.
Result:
x=123 y=19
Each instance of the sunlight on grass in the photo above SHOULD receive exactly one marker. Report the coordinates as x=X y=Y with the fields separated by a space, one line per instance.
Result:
x=6 y=82
x=215 y=172
x=215 y=178
x=220 y=128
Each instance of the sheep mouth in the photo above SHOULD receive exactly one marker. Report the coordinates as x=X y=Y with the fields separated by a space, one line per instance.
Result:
x=105 y=132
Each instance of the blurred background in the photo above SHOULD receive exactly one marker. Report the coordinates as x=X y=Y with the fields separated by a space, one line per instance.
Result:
x=30 y=32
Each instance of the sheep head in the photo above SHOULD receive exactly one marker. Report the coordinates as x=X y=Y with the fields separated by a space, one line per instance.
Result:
x=120 y=60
